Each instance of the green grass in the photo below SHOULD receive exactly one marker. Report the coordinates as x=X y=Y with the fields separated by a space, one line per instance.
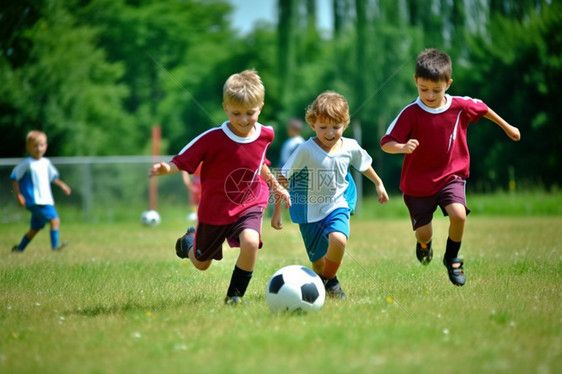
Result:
x=117 y=300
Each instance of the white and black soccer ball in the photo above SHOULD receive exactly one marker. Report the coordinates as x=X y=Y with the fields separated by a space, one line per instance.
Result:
x=150 y=218
x=295 y=288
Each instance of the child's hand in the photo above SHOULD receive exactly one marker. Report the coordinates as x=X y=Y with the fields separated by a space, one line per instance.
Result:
x=21 y=199
x=277 y=222
x=63 y=186
x=383 y=196
x=410 y=146
x=277 y=217
x=158 y=169
x=513 y=133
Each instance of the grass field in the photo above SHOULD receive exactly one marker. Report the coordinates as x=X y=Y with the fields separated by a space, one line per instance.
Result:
x=117 y=300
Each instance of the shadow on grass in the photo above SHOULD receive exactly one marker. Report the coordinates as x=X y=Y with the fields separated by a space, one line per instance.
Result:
x=135 y=306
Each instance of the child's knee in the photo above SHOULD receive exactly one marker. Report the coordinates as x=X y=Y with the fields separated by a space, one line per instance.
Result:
x=338 y=239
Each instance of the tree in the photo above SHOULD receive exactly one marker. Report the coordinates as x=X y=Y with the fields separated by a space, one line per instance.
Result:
x=56 y=80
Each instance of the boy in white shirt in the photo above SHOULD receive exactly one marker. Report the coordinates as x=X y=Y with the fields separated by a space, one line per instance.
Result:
x=31 y=182
x=319 y=184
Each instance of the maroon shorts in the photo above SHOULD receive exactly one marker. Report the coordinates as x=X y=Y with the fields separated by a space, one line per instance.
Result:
x=422 y=208
x=209 y=238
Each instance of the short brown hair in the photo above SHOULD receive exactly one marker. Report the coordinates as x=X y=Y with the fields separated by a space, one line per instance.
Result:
x=434 y=65
x=245 y=89
x=329 y=106
x=33 y=135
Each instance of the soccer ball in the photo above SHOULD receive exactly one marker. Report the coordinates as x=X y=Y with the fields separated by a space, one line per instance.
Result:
x=150 y=218
x=295 y=288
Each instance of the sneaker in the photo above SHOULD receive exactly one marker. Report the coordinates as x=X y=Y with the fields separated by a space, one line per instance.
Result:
x=456 y=274
x=184 y=244
x=15 y=249
x=61 y=246
x=424 y=253
x=333 y=288
x=234 y=301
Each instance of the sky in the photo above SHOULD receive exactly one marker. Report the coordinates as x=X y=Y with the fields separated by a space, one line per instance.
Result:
x=247 y=12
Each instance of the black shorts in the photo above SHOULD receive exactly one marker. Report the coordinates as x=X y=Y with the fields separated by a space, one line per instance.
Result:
x=210 y=238
x=422 y=208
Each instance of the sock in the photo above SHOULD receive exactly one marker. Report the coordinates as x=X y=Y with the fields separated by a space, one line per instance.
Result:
x=54 y=239
x=239 y=282
x=452 y=249
x=24 y=242
x=330 y=269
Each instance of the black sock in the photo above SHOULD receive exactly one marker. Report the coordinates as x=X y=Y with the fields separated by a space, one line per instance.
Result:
x=452 y=249
x=239 y=282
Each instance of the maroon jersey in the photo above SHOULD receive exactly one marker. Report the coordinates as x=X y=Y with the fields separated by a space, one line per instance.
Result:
x=442 y=153
x=230 y=173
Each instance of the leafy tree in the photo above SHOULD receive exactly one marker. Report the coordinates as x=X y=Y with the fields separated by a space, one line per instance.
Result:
x=55 y=79
x=518 y=70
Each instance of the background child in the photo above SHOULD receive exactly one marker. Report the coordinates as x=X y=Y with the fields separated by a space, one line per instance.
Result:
x=431 y=132
x=31 y=182
x=193 y=184
x=234 y=192
x=294 y=129
x=319 y=179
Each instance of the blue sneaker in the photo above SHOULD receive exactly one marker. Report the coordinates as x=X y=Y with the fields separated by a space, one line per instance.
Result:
x=184 y=244
x=456 y=274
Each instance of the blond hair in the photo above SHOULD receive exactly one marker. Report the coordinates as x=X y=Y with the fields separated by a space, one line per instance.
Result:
x=34 y=135
x=329 y=107
x=244 y=89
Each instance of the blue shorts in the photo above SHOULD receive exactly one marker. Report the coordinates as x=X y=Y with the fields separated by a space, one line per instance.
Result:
x=422 y=208
x=41 y=214
x=315 y=234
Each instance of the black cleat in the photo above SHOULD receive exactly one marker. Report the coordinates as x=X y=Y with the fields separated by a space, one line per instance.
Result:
x=424 y=253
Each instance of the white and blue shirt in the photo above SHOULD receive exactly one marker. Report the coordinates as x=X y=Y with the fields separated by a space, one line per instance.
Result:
x=319 y=182
x=35 y=178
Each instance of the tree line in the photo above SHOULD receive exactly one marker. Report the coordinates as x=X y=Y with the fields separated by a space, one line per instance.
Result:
x=96 y=75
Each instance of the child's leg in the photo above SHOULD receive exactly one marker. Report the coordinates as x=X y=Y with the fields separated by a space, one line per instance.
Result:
x=54 y=234
x=457 y=219
x=424 y=233
x=28 y=236
x=334 y=255
x=243 y=271
x=200 y=265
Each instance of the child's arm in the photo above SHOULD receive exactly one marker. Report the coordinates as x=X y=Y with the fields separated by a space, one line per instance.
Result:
x=277 y=217
x=17 y=192
x=163 y=168
x=186 y=178
x=373 y=177
x=280 y=195
x=511 y=131
x=63 y=186
x=395 y=147
x=279 y=190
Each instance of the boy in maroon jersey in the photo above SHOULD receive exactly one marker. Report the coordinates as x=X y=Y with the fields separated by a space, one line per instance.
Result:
x=431 y=132
x=234 y=191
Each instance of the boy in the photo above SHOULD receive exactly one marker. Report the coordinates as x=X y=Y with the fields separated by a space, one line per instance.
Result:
x=322 y=194
x=31 y=182
x=233 y=191
x=432 y=132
